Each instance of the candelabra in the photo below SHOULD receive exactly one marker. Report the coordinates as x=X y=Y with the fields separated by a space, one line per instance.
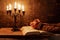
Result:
x=9 y=11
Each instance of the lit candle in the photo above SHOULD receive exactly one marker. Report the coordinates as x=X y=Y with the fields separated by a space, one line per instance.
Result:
x=7 y=7
x=22 y=7
x=23 y=10
x=19 y=7
x=15 y=5
x=10 y=7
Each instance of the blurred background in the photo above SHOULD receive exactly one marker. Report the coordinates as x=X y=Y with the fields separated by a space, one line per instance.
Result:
x=48 y=11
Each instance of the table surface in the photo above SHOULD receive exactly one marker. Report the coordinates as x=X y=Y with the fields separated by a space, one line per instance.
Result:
x=8 y=31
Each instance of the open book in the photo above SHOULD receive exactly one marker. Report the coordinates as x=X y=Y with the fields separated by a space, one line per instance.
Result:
x=28 y=30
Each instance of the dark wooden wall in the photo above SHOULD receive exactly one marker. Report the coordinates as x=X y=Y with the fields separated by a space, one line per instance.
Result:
x=42 y=9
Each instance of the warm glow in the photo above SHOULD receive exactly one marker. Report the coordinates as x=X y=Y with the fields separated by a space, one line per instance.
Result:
x=19 y=7
x=15 y=5
x=22 y=7
x=10 y=6
x=7 y=7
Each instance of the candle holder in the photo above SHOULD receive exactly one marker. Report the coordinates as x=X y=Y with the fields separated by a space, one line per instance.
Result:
x=17 y=12
x=9 y=12
x=23 y=12
x=15 y=28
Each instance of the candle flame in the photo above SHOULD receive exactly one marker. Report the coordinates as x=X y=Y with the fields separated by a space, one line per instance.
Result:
x=7 y=7
x=15 y=5
x=19 y=6
x=22 y=7
x=10 y=6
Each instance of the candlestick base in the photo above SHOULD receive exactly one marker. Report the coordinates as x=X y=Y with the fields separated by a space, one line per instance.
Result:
x=15 y=29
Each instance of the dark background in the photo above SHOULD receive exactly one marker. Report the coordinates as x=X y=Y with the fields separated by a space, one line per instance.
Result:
x=46 y=10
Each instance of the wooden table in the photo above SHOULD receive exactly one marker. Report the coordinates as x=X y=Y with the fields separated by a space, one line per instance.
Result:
x=7 y=31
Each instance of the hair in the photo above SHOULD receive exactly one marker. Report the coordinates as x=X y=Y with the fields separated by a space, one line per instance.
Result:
x=34 y=23
x=37 y=20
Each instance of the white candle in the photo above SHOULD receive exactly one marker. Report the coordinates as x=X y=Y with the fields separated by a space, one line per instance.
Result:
x=15 y=5
x=7 y=7
x=10 y=6
x=22 y=7
x=19 y=7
